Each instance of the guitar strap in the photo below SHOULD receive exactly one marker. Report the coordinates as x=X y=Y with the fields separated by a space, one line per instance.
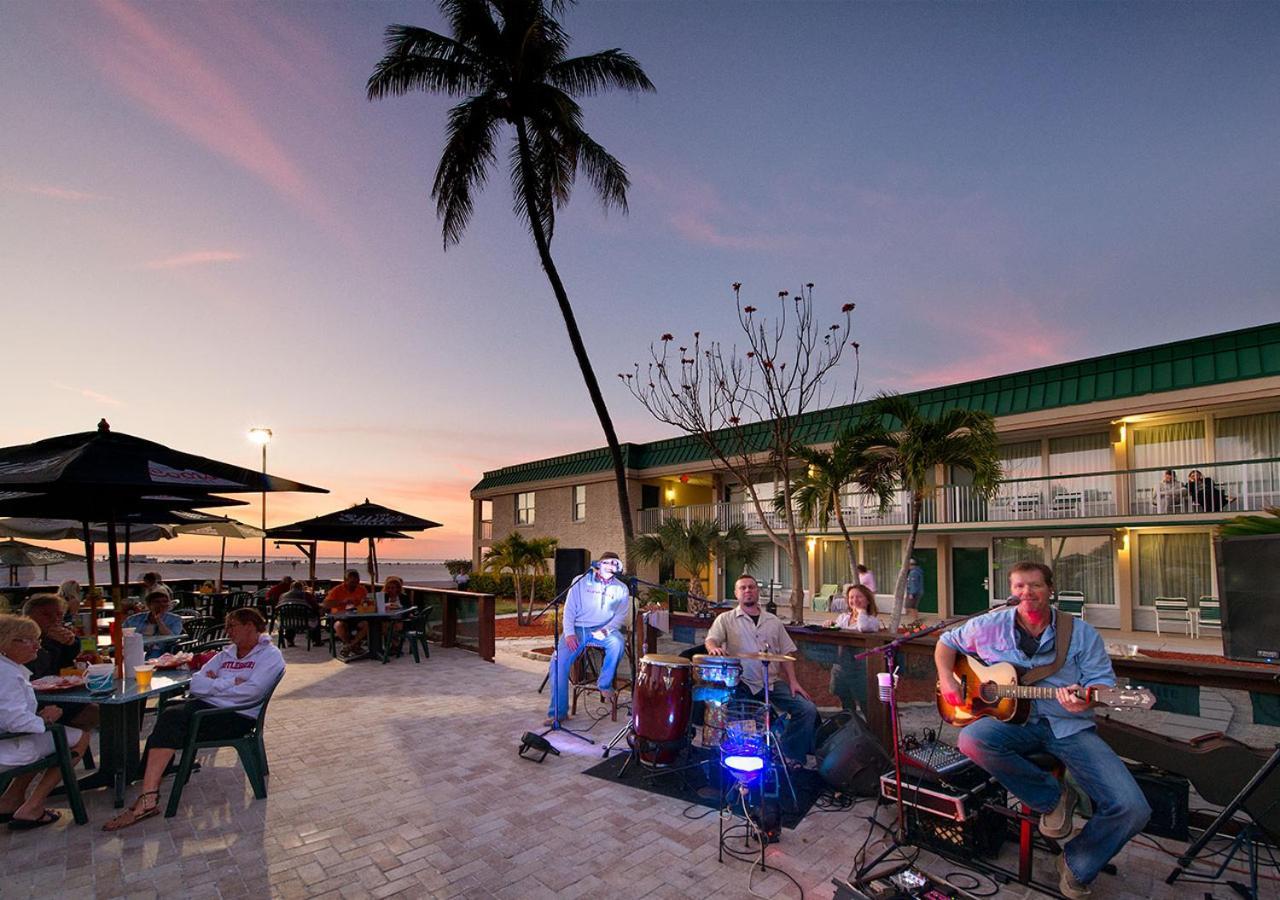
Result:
x=1062 y=643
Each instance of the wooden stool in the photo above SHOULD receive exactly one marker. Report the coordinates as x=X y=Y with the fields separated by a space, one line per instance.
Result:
x=583 y=675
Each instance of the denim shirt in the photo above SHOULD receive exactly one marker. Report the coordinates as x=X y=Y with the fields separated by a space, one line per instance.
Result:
x=991 y=638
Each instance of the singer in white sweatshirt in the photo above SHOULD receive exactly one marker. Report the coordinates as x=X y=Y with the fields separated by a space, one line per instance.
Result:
x=242 y=672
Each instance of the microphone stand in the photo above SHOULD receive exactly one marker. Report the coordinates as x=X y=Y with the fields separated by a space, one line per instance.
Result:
x=554 y=606
x=889 y=652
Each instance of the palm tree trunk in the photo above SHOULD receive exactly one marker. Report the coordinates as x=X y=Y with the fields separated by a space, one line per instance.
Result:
x=575 y=340
x=900 y=589
x=848 y=543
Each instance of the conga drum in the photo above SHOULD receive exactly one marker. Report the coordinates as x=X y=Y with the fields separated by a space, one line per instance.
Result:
x=715 y=677
x=661 y=707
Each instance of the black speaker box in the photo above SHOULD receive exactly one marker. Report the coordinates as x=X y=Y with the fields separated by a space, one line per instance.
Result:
x=1250 y=600
x=1169 y=798
x=570 y=563
x=851 y=760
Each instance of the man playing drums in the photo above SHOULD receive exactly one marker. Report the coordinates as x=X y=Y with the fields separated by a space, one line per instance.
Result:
x=594 y=611
x=749 y=629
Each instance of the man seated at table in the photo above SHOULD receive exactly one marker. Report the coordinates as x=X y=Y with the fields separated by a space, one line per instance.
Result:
x=241 y=673
x=749 y=629
x=348 y=595
x=58 y=650
x=157 y=621
x=19 y=644
x=279 y=589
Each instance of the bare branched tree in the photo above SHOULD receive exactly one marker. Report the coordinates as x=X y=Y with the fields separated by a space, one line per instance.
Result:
x=746 y=406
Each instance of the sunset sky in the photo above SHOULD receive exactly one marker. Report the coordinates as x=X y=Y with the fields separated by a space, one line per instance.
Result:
x=205 y=226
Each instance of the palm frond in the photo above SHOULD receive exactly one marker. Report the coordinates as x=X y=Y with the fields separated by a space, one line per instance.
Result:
x=464 y=164
x=607 y=175
x=584 y=76
x=417 y=59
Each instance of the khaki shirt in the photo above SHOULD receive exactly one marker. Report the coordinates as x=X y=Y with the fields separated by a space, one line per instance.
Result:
x=737 y=634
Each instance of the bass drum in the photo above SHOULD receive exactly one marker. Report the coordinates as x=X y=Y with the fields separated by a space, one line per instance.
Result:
x=661 y=708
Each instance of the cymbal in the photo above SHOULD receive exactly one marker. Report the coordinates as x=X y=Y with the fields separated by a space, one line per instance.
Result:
x=767 y=657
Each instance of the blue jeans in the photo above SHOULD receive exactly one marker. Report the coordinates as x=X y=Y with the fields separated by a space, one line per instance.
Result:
x=1119 y=808
x=614 y=645
x=797 y=739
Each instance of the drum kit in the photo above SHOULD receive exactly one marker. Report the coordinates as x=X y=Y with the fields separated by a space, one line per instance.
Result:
x=662 y=704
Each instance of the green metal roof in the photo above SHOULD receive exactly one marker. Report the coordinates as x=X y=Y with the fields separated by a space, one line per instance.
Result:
x=1196 y=362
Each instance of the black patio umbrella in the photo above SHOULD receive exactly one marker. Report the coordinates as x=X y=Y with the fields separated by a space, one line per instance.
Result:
x=364 y=521
x=103 y=476
x=16 y=554
x=68 y=529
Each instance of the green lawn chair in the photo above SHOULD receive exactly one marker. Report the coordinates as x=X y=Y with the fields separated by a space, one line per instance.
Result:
x=253 y=753
x=60 y=757
x=822 y=599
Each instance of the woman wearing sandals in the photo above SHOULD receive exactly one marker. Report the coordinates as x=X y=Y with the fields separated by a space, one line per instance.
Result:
x=19 y=644
x=241 y=673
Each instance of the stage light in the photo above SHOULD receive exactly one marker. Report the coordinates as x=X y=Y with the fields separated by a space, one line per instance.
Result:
x=533 y=743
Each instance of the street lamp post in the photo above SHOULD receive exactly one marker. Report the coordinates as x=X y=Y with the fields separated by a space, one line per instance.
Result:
x=263 y=436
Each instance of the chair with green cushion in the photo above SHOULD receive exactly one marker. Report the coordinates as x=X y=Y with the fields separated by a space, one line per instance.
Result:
x=60 y=757
x=1210 y=615
x=253 y=752
x=822 y=599
x=1072 y=602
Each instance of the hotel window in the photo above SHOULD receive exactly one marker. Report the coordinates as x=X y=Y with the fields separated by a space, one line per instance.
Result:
x=1084 y=563
x=1254 y=484
x=884 y=559
x=1174 y=565
x=1005 y=552
x=1178 y=446
x=524 y=508
x=579 y=502
x=835 y=562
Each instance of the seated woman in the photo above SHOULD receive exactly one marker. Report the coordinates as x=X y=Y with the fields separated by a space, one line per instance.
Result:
x=19 y=643
x=241 y=673
x=157 y=621
x=849 y=675
x=206 y=588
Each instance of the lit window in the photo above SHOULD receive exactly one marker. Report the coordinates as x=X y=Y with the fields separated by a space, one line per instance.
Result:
x=579 y=502
x=524 y=509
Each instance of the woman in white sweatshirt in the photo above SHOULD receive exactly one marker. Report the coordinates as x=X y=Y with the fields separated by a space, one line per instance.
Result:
x=242 y=672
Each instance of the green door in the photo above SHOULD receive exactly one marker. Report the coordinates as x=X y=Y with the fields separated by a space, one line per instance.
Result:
x=927 y=557
x=970 y=571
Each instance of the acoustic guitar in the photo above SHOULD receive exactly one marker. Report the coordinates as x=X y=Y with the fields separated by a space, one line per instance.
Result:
x=994 y=691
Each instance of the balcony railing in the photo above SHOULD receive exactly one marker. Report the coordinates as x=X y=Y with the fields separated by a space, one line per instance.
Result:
x=1223 y=490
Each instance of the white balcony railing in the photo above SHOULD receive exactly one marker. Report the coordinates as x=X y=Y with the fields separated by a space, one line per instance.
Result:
x=1223 y=490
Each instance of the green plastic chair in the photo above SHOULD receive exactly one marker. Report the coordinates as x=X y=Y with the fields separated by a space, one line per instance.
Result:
x=253 y=753
x=60 y=757
x=1071 y=602
x=415 y=632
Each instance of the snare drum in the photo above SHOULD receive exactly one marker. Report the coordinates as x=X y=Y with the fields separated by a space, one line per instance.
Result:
x=662 y=705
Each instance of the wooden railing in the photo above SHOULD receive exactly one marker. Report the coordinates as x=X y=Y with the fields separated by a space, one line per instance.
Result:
x=462 y=618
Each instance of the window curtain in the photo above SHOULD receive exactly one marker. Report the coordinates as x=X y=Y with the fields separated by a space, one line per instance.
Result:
x=835 y=562
x=1174 y=565
x=1178 y=446
x=1021 y=460
x=1007 y=551
x=1084 y=563
x=1080 y=454
x=1248 y=437
x=884 y=558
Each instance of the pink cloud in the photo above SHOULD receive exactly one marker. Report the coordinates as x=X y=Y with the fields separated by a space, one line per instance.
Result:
x=169 y=77
x=196 y=258
x=60 y=193
x=697 y=212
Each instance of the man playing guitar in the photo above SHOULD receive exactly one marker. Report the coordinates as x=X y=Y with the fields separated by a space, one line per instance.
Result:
x=1024 y=635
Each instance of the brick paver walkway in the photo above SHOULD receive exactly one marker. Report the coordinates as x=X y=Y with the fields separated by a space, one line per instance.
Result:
x=403 y=780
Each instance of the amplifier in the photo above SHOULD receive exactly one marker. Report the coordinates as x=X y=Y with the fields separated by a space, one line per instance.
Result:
x=948 y=801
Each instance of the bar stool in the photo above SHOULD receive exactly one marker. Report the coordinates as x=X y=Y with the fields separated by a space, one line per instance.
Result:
x=1028 y=820
x=583 y=675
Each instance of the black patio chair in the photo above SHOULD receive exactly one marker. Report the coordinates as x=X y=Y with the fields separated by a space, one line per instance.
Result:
x=250 y=747
x=295 y=618
x=60 y=757
x=238 y=599
x=414 y=630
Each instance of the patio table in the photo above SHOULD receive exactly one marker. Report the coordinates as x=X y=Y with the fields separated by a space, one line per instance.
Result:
x=119 y=755
x=377 y=645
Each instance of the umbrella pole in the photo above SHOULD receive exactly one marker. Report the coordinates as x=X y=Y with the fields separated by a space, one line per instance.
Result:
x=222 y=562
x=117 y=597
x=344 y=559
x=312 y=557
x=127 y=529
x=88 y=553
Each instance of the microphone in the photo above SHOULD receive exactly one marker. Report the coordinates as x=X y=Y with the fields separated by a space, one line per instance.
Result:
x=1012 y=601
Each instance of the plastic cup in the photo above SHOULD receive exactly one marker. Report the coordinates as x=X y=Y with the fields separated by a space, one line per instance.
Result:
x=142 y=675
x=886 y=683
x=101 y=678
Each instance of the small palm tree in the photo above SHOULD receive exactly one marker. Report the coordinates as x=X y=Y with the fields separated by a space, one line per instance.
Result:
x=537 y=552
x=508 y=61
x=520 y=556
x=1243 y=526
x=819 y=489
x=911 y=446
x=691 y=545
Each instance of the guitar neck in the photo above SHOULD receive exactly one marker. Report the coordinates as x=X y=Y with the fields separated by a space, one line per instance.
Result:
x=1031 y=692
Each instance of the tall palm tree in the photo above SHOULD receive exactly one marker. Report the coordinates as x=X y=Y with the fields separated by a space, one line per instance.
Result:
x=817 y=491
x=691 y=545
x=913 y=445
x=507 y=59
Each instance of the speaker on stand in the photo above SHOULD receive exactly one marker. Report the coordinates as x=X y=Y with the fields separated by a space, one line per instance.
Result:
x=570 y=563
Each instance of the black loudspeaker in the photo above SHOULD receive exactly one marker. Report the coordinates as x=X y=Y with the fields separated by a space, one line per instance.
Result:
x=570 y=563
x=1250 y=600
x=1169 y=798
x=851 y=760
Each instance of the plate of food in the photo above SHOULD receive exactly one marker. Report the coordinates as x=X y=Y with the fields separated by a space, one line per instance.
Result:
x=58 y=683
x=172 y=660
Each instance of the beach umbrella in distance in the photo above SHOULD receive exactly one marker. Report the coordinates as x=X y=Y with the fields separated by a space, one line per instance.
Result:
x=224 y=528
x=15 y=554
x=102 y=475
x=69 y=529
x=363 y=521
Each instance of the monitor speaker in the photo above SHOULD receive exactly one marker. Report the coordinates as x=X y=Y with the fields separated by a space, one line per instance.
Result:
x=570 y=563
x=1250 y=600
x=852 y=759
